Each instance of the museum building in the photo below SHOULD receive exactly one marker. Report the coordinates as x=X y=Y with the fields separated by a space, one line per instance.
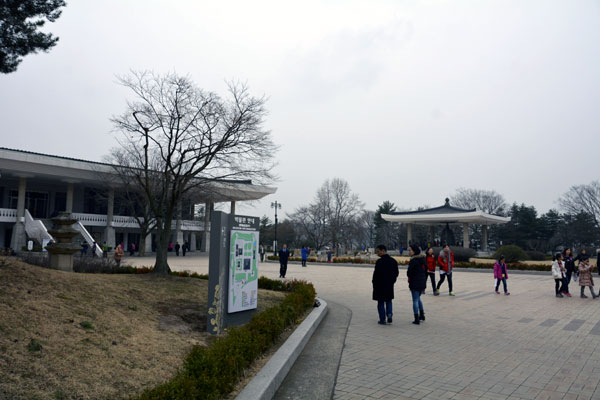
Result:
x=34 y=187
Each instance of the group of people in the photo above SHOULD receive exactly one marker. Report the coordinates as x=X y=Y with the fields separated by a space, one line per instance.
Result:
x=284 y=256
x=185 y=247
x=421 y=268
x=566 y=267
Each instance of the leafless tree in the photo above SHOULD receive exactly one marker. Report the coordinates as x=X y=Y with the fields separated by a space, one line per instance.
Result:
x=332 y=215
x=175 y=138
x=583 y=198
x=488 y=201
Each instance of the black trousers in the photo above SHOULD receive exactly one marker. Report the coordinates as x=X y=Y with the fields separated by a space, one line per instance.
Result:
x=442 y=279
x=558 y=285
x=303 y=262
x=432 y=278
x=282 y=269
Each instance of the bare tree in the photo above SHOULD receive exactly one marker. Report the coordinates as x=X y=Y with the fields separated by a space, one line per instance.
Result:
x=488 y=201
x=332 y=216
x=311 y=222
x=583 y=198
x=175 y=138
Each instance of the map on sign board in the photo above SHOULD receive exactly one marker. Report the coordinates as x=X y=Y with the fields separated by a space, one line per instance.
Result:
x=243 y=271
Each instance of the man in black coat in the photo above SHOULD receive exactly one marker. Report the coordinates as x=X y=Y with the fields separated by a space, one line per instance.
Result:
x=284 y=254
x=384 y=277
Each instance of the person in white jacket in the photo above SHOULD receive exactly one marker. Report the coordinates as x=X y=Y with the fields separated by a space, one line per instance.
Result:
x=558 y=273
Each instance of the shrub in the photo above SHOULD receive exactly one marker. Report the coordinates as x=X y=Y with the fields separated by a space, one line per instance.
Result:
x=87 y=325
x=211 y=373
x=34 y=345
x=512 y=253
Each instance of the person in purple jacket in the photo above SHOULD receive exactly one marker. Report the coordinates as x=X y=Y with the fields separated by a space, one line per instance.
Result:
x=501 y=274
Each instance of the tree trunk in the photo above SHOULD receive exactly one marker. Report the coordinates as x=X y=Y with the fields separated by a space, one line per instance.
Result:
x=161 y=266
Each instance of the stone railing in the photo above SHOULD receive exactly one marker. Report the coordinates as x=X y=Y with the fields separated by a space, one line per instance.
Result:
x=8 y=215
x=124 y=221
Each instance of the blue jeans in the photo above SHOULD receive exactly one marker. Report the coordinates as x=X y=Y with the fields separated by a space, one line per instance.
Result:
x=384 y=308
x=417 y=303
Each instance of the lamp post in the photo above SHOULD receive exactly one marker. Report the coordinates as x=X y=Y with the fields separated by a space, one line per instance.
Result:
x=275 y=205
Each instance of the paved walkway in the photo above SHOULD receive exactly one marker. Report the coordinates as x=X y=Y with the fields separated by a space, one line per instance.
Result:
x=477 y=345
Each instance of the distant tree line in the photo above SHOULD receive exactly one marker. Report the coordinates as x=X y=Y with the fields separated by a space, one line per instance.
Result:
x=337 y=218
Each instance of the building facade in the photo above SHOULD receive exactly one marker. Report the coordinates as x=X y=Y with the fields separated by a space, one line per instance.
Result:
x=34 y=187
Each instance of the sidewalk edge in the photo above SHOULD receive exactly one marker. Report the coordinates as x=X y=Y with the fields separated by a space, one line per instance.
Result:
x=266 y=382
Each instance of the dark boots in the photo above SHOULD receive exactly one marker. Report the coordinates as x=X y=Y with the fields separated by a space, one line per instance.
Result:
x=416 y=321
x=422 y=315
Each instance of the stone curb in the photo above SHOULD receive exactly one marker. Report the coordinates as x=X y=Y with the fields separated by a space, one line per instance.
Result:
x=264 y=385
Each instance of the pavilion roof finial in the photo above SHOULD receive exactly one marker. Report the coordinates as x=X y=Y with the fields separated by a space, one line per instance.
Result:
x=447 y=201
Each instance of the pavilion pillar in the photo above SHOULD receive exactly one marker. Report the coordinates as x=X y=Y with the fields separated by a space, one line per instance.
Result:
x=232 y=208
x=466 y=235
x=484 y=238
x=409 y=234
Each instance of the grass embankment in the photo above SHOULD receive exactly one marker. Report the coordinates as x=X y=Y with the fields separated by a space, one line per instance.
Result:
x=96 y=336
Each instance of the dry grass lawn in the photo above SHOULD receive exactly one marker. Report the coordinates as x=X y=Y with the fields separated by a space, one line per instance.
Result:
x=101 y=336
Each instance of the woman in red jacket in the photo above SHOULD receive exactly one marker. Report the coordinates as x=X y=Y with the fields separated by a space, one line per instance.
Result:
x=430 y=263
x=446 y=261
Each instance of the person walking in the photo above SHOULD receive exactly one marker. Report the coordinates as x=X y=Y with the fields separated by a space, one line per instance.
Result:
x=569 y=263
x=119 y=254
x=184 y=248
x=284 y=255
x=430 y=263
x=131 y=249
x=261 y=251
x=446 y=262
x=304 y=253
x=585 y=276
x=558 y=273
x=501 y=274
x=417 y=280
x=385 y=275
x=177 y=247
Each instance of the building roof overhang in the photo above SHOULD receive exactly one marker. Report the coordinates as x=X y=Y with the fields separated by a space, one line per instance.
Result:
x=19 y=163
x=445 y=214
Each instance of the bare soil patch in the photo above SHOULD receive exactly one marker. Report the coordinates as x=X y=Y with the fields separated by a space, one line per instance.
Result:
x=93 y=336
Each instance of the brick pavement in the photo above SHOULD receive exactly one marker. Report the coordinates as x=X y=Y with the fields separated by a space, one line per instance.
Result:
x=477 y=345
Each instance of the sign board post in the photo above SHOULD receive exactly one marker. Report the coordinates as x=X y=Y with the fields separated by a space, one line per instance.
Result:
x=232 y=270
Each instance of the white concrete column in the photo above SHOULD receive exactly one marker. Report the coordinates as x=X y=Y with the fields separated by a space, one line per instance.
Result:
x=21 y=200
x=69 y=207
x=409 y=234
x=206 y=234
x=484 y=238
x=109 y=232
x=148 y=243
x=232 y=208
x=466 y=235
x=192 y=241
x=18 y=239
x=178 y=232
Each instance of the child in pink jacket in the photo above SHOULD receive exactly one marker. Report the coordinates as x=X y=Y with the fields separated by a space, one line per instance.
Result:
x=501 y=274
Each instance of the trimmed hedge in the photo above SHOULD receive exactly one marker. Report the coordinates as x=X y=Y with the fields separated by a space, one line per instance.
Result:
x=212 y=372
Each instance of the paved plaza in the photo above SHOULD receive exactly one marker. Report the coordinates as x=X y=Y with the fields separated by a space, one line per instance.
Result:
x=476 y=345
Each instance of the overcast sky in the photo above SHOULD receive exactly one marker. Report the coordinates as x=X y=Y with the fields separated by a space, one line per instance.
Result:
x=406 y=100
